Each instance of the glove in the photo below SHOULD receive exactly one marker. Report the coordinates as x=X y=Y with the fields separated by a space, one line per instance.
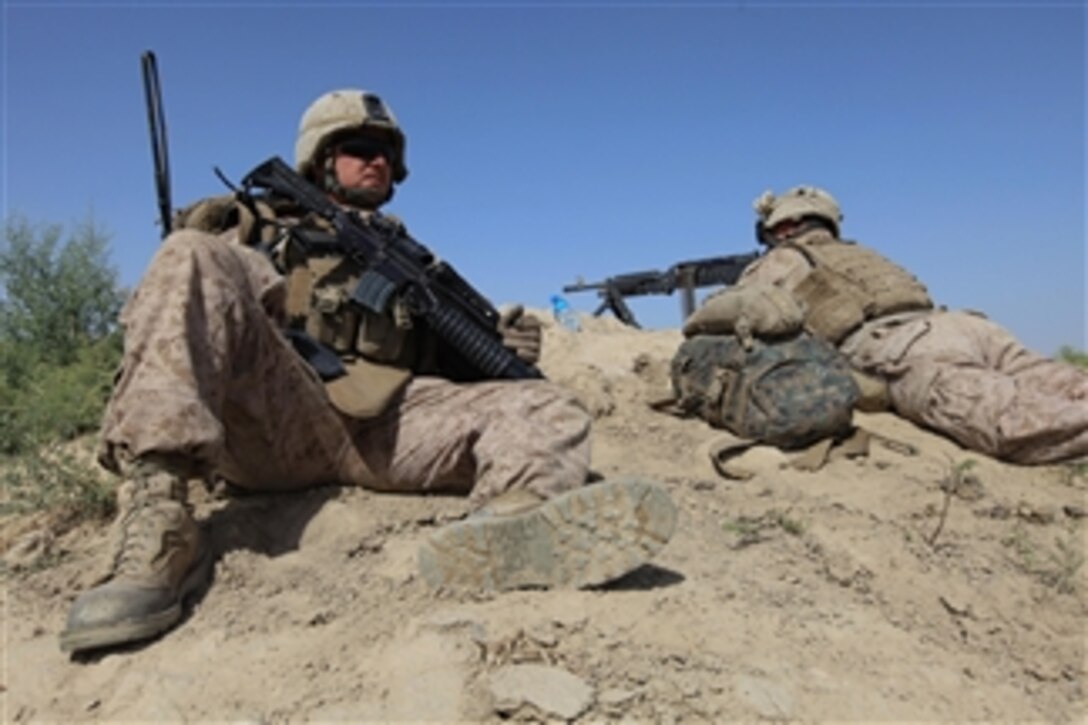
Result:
x=520 y=332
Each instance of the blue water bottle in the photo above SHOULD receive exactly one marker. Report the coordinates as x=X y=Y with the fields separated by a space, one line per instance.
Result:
x=564 y=315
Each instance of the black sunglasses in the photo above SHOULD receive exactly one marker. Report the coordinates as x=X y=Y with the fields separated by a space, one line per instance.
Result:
x=365 y=148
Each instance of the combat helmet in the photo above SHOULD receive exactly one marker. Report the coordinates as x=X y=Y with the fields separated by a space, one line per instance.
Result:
x=798 y=203
x=338 y=113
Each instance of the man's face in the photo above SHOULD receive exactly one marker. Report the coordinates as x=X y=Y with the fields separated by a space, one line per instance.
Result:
x=785 y=229
x=362 y=163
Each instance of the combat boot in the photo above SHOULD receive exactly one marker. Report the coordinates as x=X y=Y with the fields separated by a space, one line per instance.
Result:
x=159 y=558
x=587 y=536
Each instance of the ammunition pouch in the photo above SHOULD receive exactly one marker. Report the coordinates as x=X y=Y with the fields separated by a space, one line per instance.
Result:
x=833 y=306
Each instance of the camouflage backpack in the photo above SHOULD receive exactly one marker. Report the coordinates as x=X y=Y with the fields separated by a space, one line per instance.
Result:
x=788 y=393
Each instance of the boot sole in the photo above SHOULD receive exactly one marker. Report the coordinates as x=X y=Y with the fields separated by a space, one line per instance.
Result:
x=581 y=538
x=135 y=629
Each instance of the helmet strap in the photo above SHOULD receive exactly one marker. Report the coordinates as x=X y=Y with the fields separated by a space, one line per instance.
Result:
x=763 y=235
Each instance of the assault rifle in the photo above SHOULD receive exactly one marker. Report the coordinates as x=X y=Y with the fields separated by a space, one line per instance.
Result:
x=397 y=266
x=685 y=276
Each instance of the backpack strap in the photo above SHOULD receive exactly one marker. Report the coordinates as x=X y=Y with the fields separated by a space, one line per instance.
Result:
x=722 y=452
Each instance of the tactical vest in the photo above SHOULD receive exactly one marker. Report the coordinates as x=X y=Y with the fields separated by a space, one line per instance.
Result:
x=850 y=284
x=375 y=353
x=379 y=351
x=321 y=282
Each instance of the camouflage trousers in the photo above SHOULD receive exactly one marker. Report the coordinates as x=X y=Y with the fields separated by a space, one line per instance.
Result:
x=962 y=375
x=207 y=375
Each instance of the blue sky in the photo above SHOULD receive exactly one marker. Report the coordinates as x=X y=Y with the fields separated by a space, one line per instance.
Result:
x=551 y=140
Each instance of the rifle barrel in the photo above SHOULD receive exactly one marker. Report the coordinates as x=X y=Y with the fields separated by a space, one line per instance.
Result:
x=583 y=287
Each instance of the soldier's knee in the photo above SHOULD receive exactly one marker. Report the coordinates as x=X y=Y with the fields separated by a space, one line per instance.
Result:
x=543 y=400
x=190 y=239
x=562 y=397
x=186 y=246
x=213 y=255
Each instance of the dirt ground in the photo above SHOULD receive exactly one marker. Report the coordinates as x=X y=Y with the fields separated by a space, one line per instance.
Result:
x=869 y=590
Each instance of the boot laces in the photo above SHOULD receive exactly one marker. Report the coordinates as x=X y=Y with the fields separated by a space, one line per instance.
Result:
x=143 y=521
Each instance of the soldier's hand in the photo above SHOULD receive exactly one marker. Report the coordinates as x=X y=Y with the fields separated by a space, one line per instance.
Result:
x=520 y=332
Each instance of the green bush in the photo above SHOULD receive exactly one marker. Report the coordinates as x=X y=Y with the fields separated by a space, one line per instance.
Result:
x=50 y=478
x=56 y=298
x=1073 y=356
x=59 y=338
x=58 y=402
x=59 y=348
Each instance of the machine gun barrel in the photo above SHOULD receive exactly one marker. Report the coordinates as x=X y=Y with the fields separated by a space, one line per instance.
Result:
x=686 y=276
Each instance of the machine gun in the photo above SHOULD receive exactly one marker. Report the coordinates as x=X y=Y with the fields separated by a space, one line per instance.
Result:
x=685 y=276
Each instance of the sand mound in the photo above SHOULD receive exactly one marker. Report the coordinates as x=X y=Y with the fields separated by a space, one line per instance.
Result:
x=869 y=590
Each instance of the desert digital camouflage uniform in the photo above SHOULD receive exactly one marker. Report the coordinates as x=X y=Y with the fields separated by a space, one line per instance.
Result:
x=229 y=391
x=954 y=371
x=212 y=384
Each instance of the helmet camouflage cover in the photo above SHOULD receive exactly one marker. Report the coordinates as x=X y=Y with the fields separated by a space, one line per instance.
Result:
x=340 y=113
x=797 y=203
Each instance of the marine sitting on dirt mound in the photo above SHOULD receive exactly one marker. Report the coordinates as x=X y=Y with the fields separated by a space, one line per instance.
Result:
x=955 y=372
x=211 y=387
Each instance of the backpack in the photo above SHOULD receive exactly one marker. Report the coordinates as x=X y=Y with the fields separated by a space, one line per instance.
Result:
x=788 y=393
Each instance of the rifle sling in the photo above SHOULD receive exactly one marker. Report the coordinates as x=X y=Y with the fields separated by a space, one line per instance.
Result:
x=321 y=358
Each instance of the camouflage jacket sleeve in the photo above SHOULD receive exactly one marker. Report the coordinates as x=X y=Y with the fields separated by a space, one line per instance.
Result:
x=779 y=267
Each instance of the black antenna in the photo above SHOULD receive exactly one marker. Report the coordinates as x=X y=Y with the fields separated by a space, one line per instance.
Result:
x=156 y=122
